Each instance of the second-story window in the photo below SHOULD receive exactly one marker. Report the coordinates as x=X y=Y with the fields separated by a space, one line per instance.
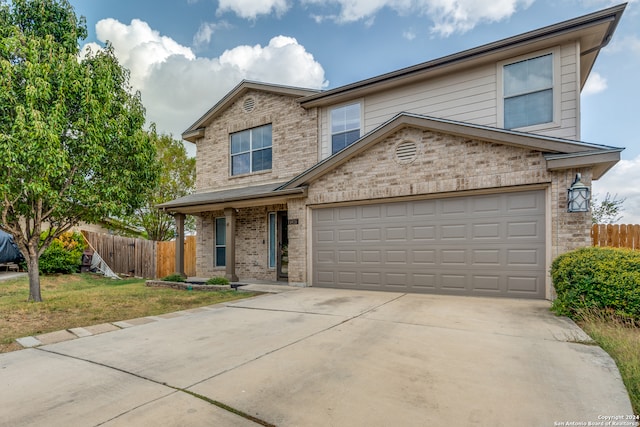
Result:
x=345 y=126
x=528 y=92
x=251 y=150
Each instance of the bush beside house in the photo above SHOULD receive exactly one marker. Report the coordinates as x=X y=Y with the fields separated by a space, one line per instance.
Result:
x=598 y=278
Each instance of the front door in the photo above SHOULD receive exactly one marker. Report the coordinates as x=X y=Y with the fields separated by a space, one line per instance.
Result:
x=283 y=247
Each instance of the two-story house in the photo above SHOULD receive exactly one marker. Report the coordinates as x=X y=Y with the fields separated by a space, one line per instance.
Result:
x=450 y=176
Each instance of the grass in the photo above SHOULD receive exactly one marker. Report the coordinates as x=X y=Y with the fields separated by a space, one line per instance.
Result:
x=79 y=300
x=621 y=339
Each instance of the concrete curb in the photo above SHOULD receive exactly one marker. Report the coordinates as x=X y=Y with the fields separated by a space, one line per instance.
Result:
x=87 y=331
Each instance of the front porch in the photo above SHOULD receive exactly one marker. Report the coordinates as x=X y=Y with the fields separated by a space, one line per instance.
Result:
x=245 y=235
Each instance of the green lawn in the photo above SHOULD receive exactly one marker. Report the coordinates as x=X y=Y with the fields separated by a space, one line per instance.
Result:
x=78 y=300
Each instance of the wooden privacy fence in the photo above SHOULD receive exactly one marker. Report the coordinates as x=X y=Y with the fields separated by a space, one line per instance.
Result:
x=616 y=235
x=166 y=257
x=140 y=257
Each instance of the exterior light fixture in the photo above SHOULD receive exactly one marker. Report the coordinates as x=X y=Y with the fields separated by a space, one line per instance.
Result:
x=578 y=196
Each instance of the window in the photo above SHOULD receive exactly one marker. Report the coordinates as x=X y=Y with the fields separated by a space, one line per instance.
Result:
x=272 y=239
x=251 y=150
x=528 y=92
x=345 y=126
x=221 y=242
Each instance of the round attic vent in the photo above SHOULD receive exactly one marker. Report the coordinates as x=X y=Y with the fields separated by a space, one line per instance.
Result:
x=248 y=105
x=406 y=152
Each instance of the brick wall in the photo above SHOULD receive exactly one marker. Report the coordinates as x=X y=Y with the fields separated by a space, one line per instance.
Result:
x=294 y=146
x=252 y=249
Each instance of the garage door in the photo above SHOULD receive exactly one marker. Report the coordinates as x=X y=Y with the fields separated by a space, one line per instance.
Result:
x=491 y=245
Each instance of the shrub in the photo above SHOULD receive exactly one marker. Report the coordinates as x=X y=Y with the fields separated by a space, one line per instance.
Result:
x=64 y=254
x=602 y=278
x=175 y=277
x=218 y=281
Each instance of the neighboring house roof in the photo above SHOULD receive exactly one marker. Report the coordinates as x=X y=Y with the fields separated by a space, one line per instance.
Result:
x=594 y=31
x=220 y=199
x=561 y=153
x=196 y=130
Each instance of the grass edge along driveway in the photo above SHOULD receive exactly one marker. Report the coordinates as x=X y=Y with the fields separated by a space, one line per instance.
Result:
x=79 y=300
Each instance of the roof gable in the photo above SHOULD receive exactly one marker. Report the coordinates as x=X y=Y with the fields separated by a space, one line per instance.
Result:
x=196 y=130
x=560 y=153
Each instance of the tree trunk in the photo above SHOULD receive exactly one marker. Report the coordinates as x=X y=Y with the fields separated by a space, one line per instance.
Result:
x=34 y=274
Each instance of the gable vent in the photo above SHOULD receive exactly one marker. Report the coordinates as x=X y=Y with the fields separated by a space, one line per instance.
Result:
x=406 y=152
x=249 y=105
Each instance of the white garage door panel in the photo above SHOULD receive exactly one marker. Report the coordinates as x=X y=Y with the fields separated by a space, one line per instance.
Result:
x=476 y=245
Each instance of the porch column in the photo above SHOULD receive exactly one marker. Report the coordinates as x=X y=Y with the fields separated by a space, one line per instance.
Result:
x=230 y=253
x=179 y=244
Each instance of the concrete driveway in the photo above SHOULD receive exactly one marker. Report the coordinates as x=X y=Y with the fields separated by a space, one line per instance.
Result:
x=321 y=357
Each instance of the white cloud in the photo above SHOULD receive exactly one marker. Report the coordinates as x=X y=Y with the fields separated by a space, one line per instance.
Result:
x=250 y=9
x=177 y=87
x=448 y=16
x=625 y=44
x=595 y=84
x=460 y=16
x=206 y=31
x=409 y=34
x=620 y=180
x=138 y=47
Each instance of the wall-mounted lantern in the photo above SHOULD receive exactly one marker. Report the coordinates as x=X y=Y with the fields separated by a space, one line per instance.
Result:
x=578 y=196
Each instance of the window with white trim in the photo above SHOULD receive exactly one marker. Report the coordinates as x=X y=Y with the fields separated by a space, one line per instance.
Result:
x=528 y=87
x=220 y=242
x=251 y=150
x=345 y=126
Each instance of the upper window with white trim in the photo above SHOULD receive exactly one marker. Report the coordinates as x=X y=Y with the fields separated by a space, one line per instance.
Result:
x=251 y=150
x=345 y=126
x=528 y=92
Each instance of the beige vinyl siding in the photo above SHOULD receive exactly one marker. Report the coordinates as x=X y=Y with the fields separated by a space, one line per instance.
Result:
x=469 y=96
x=569 y=95
x=464 y=96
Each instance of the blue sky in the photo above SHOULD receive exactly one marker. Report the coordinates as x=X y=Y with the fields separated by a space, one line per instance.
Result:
x=184 y=55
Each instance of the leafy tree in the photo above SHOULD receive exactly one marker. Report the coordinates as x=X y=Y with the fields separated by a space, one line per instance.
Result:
x=177 y=179
x=606 y=211
x=71 y=130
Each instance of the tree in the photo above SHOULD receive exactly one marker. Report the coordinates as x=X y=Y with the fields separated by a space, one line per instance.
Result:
x=72 y=143
x=177 y=179
x=606 y=211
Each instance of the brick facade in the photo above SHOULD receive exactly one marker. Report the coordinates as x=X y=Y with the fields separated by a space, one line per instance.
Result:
x=294 y=143
x=252 y=237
